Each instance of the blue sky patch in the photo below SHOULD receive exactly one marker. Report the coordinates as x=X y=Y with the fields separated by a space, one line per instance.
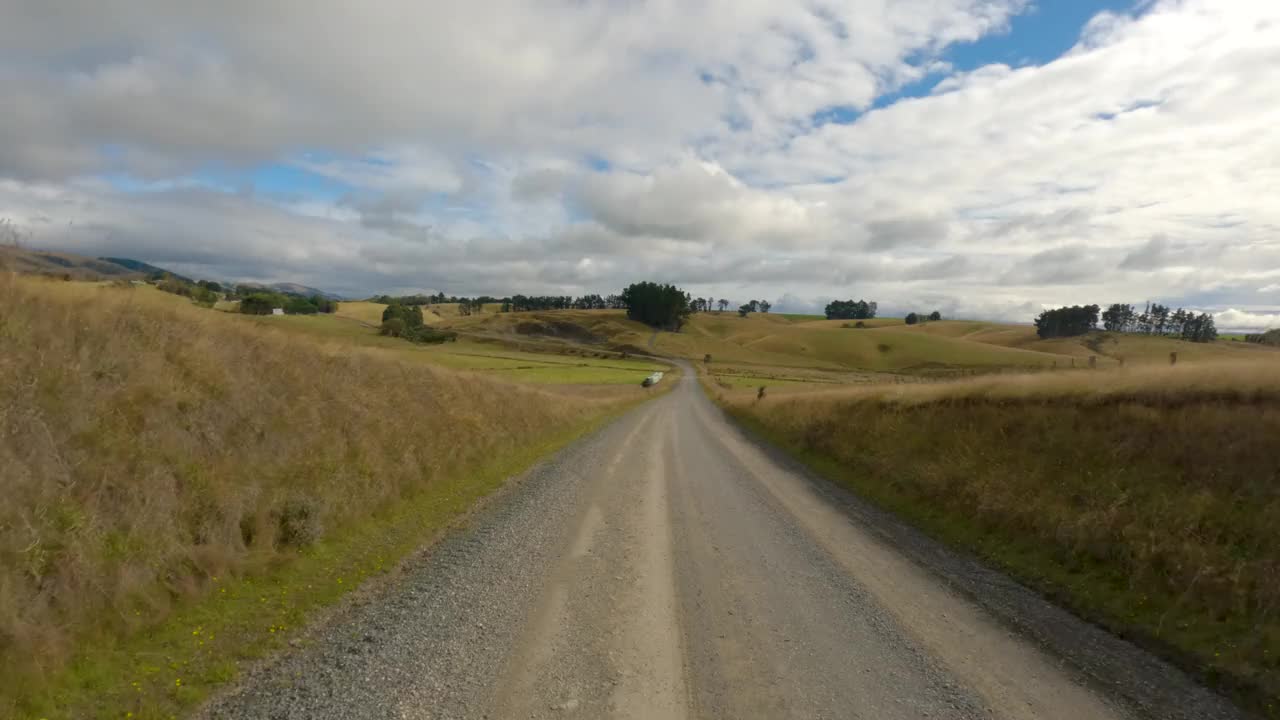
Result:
x=1036 y=37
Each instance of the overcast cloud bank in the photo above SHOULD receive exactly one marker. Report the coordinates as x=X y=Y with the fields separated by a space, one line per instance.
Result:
x=790 y=151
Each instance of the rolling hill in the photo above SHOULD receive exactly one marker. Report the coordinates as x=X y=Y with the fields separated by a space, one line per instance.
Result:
x=781 y=346
x=289 y=288
x=60 y=264
x=146 y=269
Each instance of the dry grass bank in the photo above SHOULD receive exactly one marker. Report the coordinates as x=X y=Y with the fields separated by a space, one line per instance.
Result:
x=1149 y=501
x=147 y=449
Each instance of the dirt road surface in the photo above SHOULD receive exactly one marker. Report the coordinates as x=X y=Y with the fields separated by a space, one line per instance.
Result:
x=671 y=567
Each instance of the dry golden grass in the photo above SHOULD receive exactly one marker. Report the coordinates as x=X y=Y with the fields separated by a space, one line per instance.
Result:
x=369 y=313
x=148 y=447
x=1147 y=500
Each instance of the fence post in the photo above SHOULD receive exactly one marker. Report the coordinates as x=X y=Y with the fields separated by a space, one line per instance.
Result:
x=1173 y=358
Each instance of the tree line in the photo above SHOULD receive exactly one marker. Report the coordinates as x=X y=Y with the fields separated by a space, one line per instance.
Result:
x=1155 y=319
x=850 y=310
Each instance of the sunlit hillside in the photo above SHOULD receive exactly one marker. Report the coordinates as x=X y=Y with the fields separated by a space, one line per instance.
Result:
x=153 y=450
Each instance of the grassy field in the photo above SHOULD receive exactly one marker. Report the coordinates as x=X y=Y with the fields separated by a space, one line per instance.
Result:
x=366 y=312
x=183 y=486
x=569 y=365
x=885 y=345
x=1143 y=498
x=805 y=353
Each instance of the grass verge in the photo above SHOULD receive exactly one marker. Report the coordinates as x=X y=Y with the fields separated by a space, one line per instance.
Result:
x=1145 y=502
x=157 y=457
x=203 y=645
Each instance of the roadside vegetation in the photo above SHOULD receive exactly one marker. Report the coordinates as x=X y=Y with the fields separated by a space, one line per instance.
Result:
x=1143 y=499
x=165 y=464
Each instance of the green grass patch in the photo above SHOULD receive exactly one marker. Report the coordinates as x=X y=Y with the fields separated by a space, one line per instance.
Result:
x=165 y=671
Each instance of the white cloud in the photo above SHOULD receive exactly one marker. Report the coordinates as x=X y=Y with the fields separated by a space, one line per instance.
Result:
x=1232 y=319
x=511 y=146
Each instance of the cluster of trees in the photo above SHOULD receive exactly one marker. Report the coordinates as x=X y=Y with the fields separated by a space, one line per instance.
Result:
x=916 y=318
x=1156 y=319
x=467 y=306
x=1160 y=319
x=754 y=306
x=263 y=303
x=298 y=305
x=660 y=306
x=1067 y=321
x=850 y=310
x=405 y=321
x=1270 y=337
x=708 y=304
x=199 y=293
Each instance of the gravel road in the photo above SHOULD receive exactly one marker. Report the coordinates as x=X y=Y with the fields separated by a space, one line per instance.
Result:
x=670 y=567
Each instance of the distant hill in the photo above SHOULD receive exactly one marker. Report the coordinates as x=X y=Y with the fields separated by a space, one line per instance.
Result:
x=144 y=268
x=78 y=267
x=292 y=289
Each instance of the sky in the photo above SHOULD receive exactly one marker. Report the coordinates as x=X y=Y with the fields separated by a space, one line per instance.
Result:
x=984 y=158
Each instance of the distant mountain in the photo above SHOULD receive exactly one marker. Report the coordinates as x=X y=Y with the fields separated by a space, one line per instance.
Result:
x=141 y=267
x=78 y=267
x=292 y=289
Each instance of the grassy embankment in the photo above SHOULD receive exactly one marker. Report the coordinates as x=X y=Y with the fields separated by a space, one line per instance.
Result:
x=183 y=488
x=1145 y=499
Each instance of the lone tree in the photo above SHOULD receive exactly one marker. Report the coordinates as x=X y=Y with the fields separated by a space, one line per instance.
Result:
x=765 y=305
x=660 y=306
x=935 y=316
x=723 y=304
x=744 y=310
x=912 y=318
